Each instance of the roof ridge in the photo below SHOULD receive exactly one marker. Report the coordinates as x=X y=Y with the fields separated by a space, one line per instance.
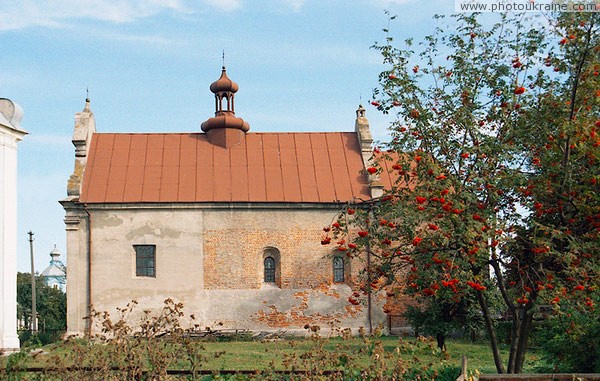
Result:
x=204 y=134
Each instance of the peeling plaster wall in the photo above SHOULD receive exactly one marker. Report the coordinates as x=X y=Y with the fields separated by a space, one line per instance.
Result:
x=179 y=271
x=212 y=261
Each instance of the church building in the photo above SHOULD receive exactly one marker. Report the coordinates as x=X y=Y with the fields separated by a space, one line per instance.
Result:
x=55 y=275
x=228 y=221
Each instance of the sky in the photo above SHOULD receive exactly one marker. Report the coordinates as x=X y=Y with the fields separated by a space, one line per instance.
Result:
x=302 y=65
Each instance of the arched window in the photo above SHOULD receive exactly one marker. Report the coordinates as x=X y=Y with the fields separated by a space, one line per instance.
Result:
x=338 y=270
x=271 y=263
x=270 y=270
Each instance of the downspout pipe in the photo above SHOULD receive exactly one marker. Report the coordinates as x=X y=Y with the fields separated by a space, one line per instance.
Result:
x=88 y=308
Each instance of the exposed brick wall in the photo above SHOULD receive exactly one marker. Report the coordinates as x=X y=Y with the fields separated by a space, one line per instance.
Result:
x=234 y=259
x=233 y=256
x=297 y=316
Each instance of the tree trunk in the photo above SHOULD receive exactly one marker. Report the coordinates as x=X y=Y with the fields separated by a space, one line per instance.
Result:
x=523 y=337
x=514 y=339
x=489 y=326
x=441 y=341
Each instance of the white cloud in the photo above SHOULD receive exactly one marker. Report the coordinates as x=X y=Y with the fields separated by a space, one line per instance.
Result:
x=55 y=14
x=15 y=15
x=387 y=2
x=294 y=4
x=54 y=141
x=14 y=77
x=136 y=38
x=225 y=5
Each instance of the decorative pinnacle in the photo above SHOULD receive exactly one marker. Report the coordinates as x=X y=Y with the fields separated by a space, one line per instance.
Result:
x=87 y=100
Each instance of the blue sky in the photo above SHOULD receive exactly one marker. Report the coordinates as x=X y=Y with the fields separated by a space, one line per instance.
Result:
x=302 y=65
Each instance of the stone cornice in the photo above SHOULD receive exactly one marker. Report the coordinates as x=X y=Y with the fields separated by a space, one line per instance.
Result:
x=73 y=205
x=14 y=135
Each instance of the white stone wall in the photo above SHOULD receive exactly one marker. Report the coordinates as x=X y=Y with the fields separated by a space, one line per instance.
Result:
x=8 y=237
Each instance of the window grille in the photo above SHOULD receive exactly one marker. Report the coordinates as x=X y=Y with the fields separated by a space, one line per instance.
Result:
x=338 y=270
x=269 y=270
x=145 y=260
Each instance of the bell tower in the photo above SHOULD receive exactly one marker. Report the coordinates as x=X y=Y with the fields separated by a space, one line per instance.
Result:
x=225 y=129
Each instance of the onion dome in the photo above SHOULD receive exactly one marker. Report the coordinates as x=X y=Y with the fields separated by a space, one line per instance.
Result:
x=55 y=275
x=224 y=84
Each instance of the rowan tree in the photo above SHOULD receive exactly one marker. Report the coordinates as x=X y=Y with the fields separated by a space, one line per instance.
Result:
x=494 y=162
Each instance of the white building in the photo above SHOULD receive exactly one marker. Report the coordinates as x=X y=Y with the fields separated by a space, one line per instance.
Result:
x=10 y=135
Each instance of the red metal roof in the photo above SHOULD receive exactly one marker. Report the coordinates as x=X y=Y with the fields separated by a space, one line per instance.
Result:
x=186 y=167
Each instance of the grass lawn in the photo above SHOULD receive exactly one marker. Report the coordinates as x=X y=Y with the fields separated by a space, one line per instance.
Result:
x=256 y=355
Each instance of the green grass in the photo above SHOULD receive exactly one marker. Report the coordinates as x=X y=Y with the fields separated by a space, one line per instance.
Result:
x=480 y=356
x=255 y=355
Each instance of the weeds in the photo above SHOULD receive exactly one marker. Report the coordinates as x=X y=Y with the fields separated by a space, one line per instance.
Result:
x=159 y=347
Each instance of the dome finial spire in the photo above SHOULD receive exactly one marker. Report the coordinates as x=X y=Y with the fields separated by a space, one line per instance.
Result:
x=223 y=59
x=87 y=100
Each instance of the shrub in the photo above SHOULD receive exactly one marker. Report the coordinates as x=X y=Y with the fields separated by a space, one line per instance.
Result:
x=158 y=344
x=570 y=343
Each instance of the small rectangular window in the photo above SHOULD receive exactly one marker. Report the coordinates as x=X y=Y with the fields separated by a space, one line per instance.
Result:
x=145 y=260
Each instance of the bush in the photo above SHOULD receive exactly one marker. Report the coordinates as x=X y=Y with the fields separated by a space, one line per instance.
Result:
x=570 y=343
x=158 y=345
x=448 y=373
x=30 y=339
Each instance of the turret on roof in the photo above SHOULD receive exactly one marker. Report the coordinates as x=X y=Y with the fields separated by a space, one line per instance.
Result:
x=225 y=129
